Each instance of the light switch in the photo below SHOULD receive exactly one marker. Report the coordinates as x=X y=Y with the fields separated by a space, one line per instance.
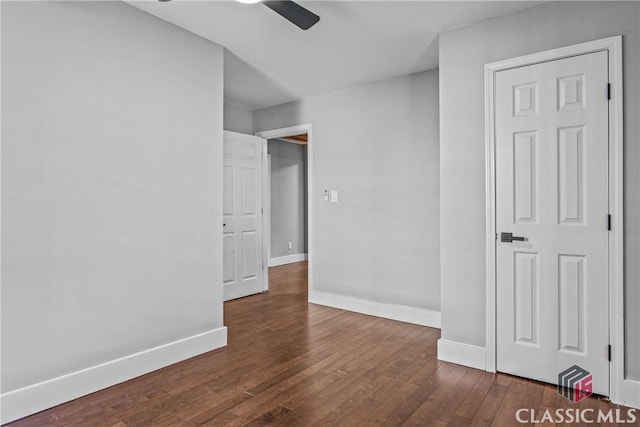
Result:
x=334 y=196
x=326 y=195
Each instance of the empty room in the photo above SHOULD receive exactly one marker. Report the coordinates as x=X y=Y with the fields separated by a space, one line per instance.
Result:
x=353 y=213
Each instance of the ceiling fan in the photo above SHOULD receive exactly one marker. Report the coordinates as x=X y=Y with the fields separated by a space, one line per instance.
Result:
x=289 y=10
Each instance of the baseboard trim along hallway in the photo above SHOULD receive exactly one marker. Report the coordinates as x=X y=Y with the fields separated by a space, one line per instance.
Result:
x=403 y=313
x=37 y=397
x=287 y=259
x=462 y=354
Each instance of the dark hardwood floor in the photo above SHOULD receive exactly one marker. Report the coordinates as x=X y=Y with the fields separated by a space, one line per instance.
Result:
x=293 y=363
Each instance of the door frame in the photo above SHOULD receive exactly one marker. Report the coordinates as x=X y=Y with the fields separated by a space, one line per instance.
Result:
x=613 y=46
x=281 y=133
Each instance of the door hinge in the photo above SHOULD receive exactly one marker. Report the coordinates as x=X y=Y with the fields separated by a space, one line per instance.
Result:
x=609 y=352
x=608 y=90
x=609 y=222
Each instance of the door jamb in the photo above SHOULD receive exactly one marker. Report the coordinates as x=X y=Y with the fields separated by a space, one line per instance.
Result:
x=613 y=46
x=280 y=133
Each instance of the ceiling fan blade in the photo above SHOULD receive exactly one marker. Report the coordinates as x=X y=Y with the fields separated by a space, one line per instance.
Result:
x=293 y=12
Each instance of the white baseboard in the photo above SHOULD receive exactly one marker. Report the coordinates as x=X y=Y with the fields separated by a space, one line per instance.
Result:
x=37 y=397
x=287 y=259
x=631 y=393
x=418 y=316
x=462 y=354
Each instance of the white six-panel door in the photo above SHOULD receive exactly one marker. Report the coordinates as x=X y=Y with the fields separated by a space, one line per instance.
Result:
x=552 y=189
x=242 y=215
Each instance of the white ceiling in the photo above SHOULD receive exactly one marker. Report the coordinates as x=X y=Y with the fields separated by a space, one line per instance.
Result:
x=270 y=61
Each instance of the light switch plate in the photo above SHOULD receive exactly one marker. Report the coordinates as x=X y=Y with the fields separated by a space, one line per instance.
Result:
x=334 y=196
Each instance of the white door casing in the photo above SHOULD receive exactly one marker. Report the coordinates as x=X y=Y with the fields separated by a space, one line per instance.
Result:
x=552 y=189
x=242 y=216
x=280 y=133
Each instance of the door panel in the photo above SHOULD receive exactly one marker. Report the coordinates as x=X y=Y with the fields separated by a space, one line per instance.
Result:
x=227 y=193
x=228 y=251
x=526 y=297
x=248 y=191
x=242 y=208
x=572 y=303
x=552 y=189
x=571 y=170
x=524 y=167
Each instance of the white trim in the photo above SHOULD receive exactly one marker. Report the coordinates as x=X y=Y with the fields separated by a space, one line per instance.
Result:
x=46 y=394
x=282 y=132
x=278 y=133
x=287 y=259
x=462 y=354
x=266 y=214
x=1 y=150
x=631 y=393
x=616 y=236
x=403 y=313
x=613 y=45
x=293 y=141
x=490 y=217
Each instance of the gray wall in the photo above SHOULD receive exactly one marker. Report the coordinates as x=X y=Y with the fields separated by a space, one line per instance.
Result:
x=237 y=119
x=288 y=197
x=463 y=52
x=377 y=145
x=111 y=186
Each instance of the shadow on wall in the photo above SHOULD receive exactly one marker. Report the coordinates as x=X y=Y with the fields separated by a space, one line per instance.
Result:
x=250 y=83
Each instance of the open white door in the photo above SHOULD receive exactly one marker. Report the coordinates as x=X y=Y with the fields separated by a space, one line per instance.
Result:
x=552 y=184
x=242 y=215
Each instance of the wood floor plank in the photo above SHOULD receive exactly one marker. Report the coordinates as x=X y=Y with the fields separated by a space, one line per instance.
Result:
x=442 y=413
x=443 y=392
x=471 y=404
x=355 y=407
x=515 y=398
x=291 y=363
x=402 y=402
x=490 y=404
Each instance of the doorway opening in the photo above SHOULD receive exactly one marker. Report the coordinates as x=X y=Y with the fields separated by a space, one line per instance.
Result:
x=287 y=190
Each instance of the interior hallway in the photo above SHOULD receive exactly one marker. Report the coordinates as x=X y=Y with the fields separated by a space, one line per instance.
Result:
x=293 y=363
